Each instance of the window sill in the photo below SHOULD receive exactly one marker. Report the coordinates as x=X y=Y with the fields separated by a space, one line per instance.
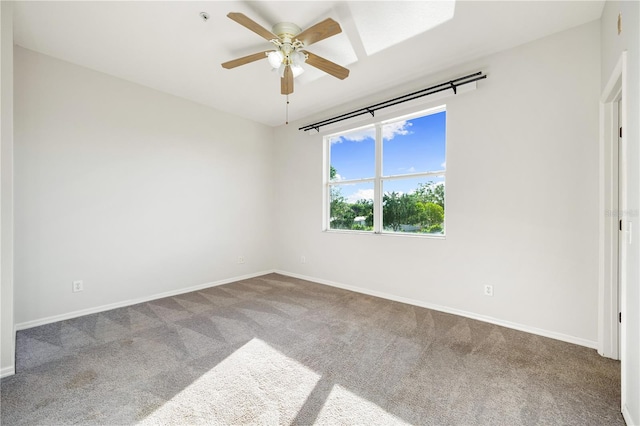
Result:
x=386 y=234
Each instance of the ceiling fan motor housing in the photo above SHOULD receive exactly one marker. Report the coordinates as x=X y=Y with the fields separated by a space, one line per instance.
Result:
x=286 y=31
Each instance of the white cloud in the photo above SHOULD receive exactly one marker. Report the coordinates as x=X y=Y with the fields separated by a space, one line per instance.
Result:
x=444 y=165
x=356 y=136
x=360 y=194
x=407 y=170
x=389 y=131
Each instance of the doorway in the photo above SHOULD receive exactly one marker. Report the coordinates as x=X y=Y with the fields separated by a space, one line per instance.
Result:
x=614 y=221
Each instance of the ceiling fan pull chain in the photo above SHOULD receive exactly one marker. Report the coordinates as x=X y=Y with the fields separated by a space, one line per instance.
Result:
x=287 y=111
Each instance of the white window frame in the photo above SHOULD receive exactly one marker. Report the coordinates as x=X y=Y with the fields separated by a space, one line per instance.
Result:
x=379 y=178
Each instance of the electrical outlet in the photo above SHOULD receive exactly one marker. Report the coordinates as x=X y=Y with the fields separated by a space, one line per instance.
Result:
x=303 y=259
x=488 y=290
x=240 y=259
x=77 y=286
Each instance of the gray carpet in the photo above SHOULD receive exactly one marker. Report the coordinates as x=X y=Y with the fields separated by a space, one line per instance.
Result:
x=278 y=350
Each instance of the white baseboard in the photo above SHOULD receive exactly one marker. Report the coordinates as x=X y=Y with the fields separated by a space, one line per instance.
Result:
x=124 y=303
x=472 y=315
x=7 y=371
x=508 y=324
x=627 y=417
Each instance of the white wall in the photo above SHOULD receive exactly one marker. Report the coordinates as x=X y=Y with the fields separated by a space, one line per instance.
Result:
x=6 y=202
x=133 y=191
x=521 y=206
x=612 y=47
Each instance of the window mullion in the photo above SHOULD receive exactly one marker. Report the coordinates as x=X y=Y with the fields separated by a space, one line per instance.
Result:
x=377 y=187
x=350 y=181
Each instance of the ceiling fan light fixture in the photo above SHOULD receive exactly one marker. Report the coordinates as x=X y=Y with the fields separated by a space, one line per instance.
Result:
x=275 y=58
x=281 y=69
x=296 y=70
x=297 y=58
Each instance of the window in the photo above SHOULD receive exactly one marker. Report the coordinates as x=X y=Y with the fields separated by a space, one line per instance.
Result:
x=388 y=177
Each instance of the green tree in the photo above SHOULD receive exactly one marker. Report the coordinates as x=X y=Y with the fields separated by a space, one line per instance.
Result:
x=391 y=214
x=336 y=208
x=364 y=208
x=332 y=173
x=399 y=209
x=340 y=211
x=432 y=216
x=431 y=197
x=423 y=209
x=431 y=192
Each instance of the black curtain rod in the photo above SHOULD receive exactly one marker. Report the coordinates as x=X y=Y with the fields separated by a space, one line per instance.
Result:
x=371 y=109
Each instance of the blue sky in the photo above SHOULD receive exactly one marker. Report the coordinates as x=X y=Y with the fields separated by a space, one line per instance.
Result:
x=411 y=146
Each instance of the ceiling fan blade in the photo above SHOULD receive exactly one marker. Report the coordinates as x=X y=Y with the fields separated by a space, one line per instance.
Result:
x=286 y=82
x=245 y=60
x=250 y=24
x=327 y=66
x=319 y=31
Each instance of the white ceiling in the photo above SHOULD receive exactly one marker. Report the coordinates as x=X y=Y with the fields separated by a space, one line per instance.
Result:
x=167 y=46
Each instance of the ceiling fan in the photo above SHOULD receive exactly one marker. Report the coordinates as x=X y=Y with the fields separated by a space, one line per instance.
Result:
x=291 y=43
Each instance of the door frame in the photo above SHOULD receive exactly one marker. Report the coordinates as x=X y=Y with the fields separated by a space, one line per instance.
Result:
x=612 y=169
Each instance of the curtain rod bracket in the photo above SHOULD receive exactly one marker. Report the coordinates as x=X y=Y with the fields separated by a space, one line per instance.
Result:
x=454 y=87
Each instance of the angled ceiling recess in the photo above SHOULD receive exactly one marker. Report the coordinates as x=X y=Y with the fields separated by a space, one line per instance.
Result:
x=290 y=54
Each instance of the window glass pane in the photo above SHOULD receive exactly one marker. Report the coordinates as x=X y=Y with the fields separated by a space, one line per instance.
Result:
x=353 y=155
x=351 y=206
x=414 y=146
x=413 y=205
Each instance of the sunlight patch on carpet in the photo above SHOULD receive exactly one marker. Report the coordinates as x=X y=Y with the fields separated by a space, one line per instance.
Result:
x=255 y=384
x=346 y=408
